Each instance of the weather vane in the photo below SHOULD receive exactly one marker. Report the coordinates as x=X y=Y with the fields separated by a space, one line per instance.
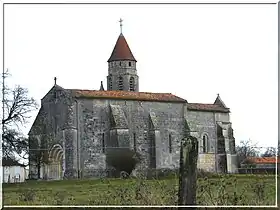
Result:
x=121 y=24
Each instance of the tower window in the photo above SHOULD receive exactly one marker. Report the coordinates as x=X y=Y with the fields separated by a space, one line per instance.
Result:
x=103 y=143
x=110 y=83
x=131 y=84
x=120 y=83
x=129 y=63
x=120 y=63
x=170 y=143
x=204 y=143
x=134 y=142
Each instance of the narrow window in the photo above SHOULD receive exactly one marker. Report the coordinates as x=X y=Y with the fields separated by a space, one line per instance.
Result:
x=170 y=144
x=153 y=150
x=129 y=63
x=110 y=83
x=134 y=142
x=103 y=143
x=120 y=83
x=120 y=63
x=131 y=84
x=204 y=144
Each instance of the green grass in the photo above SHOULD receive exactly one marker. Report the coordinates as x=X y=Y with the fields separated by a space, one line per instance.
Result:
x=220 y=190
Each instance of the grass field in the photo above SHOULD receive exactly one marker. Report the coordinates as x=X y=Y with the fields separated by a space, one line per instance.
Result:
x=221 y=190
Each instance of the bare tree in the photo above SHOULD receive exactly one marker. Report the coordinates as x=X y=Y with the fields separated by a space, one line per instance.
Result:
x=271 y=152
x=246 y=149
x=38 y=154
x=17 y=107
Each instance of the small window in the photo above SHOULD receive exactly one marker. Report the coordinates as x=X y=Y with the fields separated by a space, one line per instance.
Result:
x=170 y=143
x=145 y=135
x=103 y=143
x=120 y=83
x=110 y=83
x=120 y=63
x=134 y=142
x=129 y=63
x=204 y=143
x=131 y=84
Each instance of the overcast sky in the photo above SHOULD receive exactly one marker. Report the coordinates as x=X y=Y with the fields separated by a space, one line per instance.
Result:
x=192 y=51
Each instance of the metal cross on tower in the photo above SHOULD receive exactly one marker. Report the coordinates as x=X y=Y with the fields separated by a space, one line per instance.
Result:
x=121 y=24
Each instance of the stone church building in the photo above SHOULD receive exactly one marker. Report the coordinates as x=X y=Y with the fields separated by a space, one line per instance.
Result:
x=75 y=128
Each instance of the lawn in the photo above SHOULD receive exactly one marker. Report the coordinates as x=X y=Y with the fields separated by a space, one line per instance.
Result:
x=221 y=190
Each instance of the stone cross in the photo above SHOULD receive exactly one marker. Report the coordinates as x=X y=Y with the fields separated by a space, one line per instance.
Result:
x=121 y=24
x=188 y=171
x=55 y=80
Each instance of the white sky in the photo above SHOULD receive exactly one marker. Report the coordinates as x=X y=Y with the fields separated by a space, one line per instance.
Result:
x=192 y=51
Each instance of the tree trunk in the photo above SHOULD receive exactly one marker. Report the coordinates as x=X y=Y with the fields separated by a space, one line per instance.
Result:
x=188 y=171
x=39 y=170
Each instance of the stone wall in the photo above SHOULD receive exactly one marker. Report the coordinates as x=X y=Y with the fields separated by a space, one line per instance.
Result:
x=206 y=162
x=54 y=117
x=103 y=116
x=206 y=123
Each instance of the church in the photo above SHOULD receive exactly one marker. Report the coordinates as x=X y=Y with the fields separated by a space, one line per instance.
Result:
x=75 y=128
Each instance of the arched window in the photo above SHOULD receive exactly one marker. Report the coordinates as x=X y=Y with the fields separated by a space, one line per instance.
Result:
x=131 y=84
x=103 y=143
x=170 y=143
x=110 y=83
x=120 y=83
x=204 y=143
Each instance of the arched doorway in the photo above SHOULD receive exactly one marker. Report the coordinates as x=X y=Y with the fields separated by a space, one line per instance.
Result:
x=55 y=170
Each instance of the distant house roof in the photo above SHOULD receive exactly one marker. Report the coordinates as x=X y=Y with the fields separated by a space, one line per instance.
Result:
x=127 y=95
x=263 y=160
x=207 y=107
x=11 y=162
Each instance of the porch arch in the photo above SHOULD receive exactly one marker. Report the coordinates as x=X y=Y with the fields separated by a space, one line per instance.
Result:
x=55 y=166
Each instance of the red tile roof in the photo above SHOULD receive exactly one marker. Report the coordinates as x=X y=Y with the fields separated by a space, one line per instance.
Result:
x=127 y=95
x=263 y=160
x=121 y=51
x=207 y=107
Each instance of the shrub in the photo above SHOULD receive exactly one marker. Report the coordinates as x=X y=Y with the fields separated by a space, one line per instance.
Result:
x=27 y=195
x=163 y=173
x=123 y=159
x=202 y=174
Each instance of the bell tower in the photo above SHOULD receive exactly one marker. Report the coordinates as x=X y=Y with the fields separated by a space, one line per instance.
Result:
x=122 y=73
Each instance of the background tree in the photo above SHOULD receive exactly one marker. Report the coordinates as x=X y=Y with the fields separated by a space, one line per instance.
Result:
x=270 y=152
x=38 y=153
x=17 y=108
x=246 y=149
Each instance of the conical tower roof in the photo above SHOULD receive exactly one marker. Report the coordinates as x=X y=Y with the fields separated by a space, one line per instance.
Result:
x=121 y=51
x=219 y=101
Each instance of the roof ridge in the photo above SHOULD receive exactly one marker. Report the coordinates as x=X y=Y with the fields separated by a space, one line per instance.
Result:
x=127 y=95
x=121 y=91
